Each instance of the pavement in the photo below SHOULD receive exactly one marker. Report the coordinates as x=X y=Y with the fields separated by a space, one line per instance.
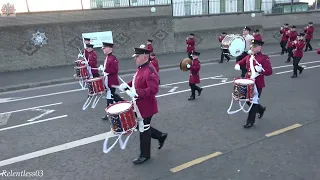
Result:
x=45 y=130
x=46 y=76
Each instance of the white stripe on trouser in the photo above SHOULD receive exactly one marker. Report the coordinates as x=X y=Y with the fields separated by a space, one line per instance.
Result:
x=108 y=96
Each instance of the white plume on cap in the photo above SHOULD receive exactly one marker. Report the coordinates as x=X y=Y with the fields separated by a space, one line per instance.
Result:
x=142 y=46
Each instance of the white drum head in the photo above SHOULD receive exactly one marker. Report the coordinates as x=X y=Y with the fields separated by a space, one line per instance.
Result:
x=119 y=108
x=237 y=47
x=244 y=81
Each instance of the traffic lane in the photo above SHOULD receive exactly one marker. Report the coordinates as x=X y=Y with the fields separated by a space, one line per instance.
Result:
x=188 y=130
x=167 y=76
x=293 y=155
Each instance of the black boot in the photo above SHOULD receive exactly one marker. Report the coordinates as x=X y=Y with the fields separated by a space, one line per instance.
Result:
x=199 y=91
x=191 y=98
x=162 y=139
x=251 y=116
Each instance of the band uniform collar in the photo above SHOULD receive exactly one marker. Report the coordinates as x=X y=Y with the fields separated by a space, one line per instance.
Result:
x=143 y=65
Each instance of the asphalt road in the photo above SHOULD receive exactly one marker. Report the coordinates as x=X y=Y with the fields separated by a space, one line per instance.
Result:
x=36 y=124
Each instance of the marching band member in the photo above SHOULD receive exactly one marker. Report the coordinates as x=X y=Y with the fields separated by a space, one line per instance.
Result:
x=284 y=39
x=111 y=68
x=256 y=35
x=92 y=58
x=146 y=86
x=309 y=35
x=194 y=75
x=223 y=51
x=298 y=54
x=149 y=45
x=292 y=36
x=154 y=61
x=264 y=68
x=248 y=38
x=191 y=43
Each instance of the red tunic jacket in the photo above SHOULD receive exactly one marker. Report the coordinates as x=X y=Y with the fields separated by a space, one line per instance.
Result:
x=265 y=63
x=112 y=67
x=147 y=86
x=194 y=72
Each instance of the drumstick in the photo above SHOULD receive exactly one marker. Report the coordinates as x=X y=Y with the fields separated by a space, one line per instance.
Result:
x=132 y=90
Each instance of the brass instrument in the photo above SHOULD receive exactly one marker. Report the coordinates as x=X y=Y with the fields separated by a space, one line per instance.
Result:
x=183 y=64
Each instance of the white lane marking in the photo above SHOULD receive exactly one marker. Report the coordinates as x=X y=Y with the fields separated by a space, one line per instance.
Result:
x=81 y=142
x=173 y=89
x=37 y=107
x=75 y=90
x=4 y=119
x=54 y=149
x=34 y=122
x=3 y=100
x=310 y=67
x=44 y=113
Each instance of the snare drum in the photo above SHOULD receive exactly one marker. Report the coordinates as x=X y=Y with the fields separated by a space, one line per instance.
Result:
x=234 y=43
x=243 y=89
x=122 y=117
x=96 y=85
x=81 y=72
x=78 y=62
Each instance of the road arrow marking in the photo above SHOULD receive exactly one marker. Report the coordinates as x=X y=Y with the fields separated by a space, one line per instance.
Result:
x=220 y=77
x=44 y=113
x=4 y=119
x=173 y=89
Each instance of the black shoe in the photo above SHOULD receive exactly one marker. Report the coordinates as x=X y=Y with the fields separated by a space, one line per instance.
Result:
x=281 y=53
x=300 y=71
x=191 y=98
x=294 y=76
x=262 y=112
x=287 y=61
x=248 y=125
x=140 y=160
x=228 y=60
x=162 y=139
x=105 y=118
x=220 y=62
x=199 y=92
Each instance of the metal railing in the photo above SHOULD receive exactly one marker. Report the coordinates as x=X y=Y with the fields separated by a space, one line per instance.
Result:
x=204 y=7
x=179 y=7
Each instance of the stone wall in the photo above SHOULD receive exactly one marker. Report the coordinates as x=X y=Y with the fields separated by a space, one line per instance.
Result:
x=131 y=27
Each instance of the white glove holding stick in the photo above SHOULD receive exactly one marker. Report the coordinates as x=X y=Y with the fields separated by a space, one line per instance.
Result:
x=258 y=68
x=123 y=86
x=188 y=66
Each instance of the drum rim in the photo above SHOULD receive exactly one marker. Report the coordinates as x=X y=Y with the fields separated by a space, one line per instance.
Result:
x=95 y=79
x=80 y=67
x=116 y=104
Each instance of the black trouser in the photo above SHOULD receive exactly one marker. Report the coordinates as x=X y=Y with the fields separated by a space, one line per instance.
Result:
x=308 y=45
x=145 y=138
x=256 y=108
x=116 y=97
x=290 y=54
x=224 y=55
x=243 y=68
x=296 y=66
x=189 y=55
x=283 y=47
x=194 y=87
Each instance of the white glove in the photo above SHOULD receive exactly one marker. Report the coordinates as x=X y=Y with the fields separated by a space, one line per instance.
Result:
x=80 y=55
x=105 y=74
x=101 y=68
x=188 y=66
x=142 y=46
x=249 y=52
x=130 y=93
x=122 y=87
x=258 y=68
x=237 y=67
x=85 y=62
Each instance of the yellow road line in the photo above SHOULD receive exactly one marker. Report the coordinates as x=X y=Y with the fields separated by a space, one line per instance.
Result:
x=289 y=128
x=194 y=162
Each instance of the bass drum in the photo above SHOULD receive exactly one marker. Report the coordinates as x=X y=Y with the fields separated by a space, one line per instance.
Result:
x=235 y=44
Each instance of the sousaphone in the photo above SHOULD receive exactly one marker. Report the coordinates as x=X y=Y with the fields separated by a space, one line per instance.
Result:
x=183 y=64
